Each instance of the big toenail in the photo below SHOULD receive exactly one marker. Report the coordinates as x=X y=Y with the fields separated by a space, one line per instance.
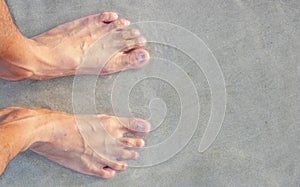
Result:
x=141 y=57
x=140 y=126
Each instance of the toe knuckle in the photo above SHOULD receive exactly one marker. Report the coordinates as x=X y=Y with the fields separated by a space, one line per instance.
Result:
x=132 y=124
x=134 y=32
x=123 y=166
x=127 y=142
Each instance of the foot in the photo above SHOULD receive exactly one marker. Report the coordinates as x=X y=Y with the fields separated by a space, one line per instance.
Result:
x=98 y=44
x=99 y=148
x=56 y=136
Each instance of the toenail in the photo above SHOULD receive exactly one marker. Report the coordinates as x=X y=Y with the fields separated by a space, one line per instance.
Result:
x=141 y=57
x=141 y=144
x=136 y=155
x=140 y=126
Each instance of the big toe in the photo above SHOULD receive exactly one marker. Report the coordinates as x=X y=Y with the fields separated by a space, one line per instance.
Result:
x=137 y=126
x=135 y=58
x=108 y=17
x=131 y=60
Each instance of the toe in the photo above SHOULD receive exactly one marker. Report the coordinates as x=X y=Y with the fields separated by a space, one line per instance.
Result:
x=108 y=172
x=135 y=125
x=139 y=57
x=111 y=163
x=136 y=58
x=134 y=43
x=128 y=34
x=119 y=23
x=123 y=61
x=105 y=172
x=108 y=17
x=117 y=165
x=132 y=142
x=129 y=154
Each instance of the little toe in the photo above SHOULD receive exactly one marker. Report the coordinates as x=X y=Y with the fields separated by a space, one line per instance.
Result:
x=132 y=142
x=108 y=17
x=129 y=154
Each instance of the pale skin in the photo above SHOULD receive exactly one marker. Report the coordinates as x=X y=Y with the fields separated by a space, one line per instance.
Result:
x=59 y=52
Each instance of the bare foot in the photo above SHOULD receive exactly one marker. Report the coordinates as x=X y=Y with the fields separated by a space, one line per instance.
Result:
x=61 y=51
x=69 y=149
x=57 y=137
